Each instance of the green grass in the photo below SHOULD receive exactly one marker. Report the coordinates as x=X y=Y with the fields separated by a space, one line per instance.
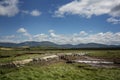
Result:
x=93 y=53
x=5 y=60
x=105 y=53
x=60 y=71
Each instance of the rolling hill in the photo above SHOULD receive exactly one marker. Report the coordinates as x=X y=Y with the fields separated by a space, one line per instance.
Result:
x=51 y=44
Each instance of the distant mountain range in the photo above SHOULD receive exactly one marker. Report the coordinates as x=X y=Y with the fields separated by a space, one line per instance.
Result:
x=51 y=44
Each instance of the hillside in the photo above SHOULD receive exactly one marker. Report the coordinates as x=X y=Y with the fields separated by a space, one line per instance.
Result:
x=51 y=44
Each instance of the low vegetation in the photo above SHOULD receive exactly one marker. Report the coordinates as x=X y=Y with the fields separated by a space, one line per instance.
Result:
x=7 y=56
x=60 y=70
x=105 y=53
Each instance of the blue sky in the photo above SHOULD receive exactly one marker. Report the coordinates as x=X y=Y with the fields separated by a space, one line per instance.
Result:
x=60 y=21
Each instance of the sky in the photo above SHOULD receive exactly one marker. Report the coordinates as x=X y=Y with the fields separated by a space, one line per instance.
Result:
x=60 y=21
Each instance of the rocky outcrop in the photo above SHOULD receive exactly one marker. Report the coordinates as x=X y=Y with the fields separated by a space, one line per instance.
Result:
x=65 y=57
x=16 y=63
x=22 y=62
x=71 y=56
x=7 y=65
x=46 y=59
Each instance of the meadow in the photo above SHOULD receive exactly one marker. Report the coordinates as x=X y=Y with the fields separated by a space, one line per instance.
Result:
x=59 y=70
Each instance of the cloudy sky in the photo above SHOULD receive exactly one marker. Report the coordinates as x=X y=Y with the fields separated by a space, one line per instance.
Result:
x=60 y=21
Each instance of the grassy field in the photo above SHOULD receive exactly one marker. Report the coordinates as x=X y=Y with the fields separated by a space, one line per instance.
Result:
x=8 y=56
x=104 y=53
x=60 y=71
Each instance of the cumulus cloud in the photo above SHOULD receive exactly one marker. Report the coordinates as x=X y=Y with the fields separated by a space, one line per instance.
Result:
x=9 y=7
x=9 y=38
x=83 y=33
x=115 y=11
x=40 y=37
x=81 y=37
x=35 y=13
x=114 y=20
x=51 y=31
x=24 y=32
x=32 y=13
x=25 y=11
x=75 y=38
x=88 y=8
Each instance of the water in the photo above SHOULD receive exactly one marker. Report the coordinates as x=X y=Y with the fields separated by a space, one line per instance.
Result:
x=93 y=62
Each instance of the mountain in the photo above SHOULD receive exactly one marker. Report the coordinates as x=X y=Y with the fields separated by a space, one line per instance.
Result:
x=7 y=44
x=51 y=44
x=67 y=46
x=28 y=43
x=33 y=43
x=91 y=45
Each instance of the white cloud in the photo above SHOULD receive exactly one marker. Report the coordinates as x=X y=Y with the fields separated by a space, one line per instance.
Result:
x=84 y=37
x=32 y=13
x=10 y=38
x=35 y=13
x=83 y=33
x=9 y=7
x=53 y=35
x=51 y=31
x=40 y=37
x=115 y=11
x=88 y=8
x=114 y=20
x=25 y=11
x=75 y=38
x=22 y=30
